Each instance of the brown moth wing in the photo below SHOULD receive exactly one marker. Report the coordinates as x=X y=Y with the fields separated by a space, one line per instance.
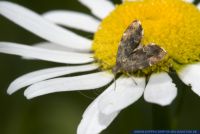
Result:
x=143 y=57
x=130 y=40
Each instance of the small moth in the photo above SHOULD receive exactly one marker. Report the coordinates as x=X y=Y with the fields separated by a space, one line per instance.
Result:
x=132 y=55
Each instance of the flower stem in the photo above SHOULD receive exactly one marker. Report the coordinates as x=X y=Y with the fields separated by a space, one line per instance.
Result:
x=177 y=107
x=180 y=101
x=161 y=117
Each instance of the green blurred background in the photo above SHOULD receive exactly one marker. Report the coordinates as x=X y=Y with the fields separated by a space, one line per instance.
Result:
x=60 y=113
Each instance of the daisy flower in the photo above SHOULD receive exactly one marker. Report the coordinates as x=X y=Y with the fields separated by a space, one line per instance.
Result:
x=172 y=24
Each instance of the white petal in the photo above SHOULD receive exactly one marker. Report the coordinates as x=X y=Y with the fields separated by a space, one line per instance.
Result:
x=44 y=74
x=43 y=28
x=100 y=8
x=50 y=46
x=83 y=82
x=93 y=121
x=127 y=91
x=73 y=19
x=189 y=1
x=160 y=89
x=45 y=54
x=198 y=6
x=190 y=75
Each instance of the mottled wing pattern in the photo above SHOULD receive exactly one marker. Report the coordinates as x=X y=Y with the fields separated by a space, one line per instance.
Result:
x=143 y=57
x=130 y=40
x=131 y=55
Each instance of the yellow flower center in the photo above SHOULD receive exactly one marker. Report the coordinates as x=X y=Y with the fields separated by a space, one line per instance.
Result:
x=172 y=24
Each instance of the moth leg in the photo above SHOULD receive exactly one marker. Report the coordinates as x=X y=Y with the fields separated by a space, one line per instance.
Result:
x=115 y=84
x=91 y=98
x=132 y=79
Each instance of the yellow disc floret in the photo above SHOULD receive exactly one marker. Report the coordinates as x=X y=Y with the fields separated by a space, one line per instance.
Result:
x=172 y=24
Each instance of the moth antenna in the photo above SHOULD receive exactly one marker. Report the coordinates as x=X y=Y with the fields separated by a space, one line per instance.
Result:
x=91 y=98
x=95 y=92
x=115 y=75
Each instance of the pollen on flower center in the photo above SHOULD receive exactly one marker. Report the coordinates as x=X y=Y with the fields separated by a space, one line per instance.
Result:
x=172 y=24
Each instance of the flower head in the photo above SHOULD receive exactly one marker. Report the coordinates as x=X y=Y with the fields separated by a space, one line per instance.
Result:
x=172 y=24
